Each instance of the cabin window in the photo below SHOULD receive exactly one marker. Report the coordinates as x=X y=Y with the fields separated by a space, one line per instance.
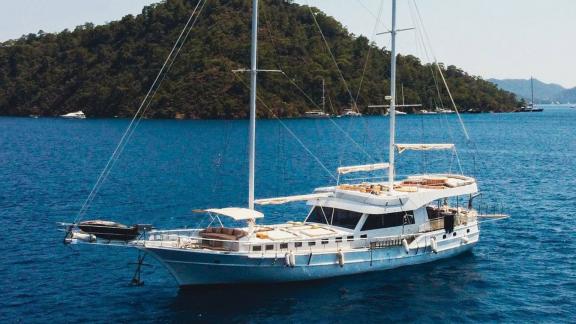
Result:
x=257 y=248
x=388 y=220
x=283 y=245
x=269 y=247
x=298 y=244
x=350 y=238
x=325 y=241
x=338 y=239
x=334 y=216
x=311 y=243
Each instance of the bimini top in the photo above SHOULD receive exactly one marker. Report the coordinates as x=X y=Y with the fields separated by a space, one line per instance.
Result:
x=236 y=213
x=423 y=147
x=363 y=168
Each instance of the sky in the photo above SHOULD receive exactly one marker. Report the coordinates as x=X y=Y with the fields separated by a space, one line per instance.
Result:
x=489 y=38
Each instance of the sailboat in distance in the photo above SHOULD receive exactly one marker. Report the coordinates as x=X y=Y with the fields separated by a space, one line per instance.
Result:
x=351 y=228
x=317 y=113
x=531 y=107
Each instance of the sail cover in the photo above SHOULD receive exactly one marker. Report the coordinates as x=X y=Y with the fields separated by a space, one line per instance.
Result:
x=284 y=200
x=362 y=168
x=423 y=147
x=236 y=213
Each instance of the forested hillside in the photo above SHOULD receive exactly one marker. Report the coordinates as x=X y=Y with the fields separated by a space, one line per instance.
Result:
x=106 y=70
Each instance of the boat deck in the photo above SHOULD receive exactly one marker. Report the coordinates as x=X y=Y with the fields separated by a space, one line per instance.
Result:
x=419 y=183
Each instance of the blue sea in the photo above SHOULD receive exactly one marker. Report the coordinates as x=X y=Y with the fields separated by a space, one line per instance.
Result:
x=523 y=269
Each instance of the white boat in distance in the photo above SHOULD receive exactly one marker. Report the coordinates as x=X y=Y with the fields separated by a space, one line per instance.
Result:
x=74 y=115
x=350 y=113
x=398 y=113
x=316 y=114
x=444 y=111
x=349 y=229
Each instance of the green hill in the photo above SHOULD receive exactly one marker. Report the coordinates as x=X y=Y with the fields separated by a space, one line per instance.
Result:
x=106 y=70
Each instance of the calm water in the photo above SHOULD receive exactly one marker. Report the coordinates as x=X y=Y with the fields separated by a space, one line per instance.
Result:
x=523 y=269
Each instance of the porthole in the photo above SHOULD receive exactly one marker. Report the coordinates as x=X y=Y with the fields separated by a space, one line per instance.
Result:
x=454 y=234
x=468 y=231
x=444 y=236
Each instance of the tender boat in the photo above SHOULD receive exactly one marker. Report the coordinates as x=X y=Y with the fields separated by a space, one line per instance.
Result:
x=74 y=115
x=108 y=230
x=350 y=228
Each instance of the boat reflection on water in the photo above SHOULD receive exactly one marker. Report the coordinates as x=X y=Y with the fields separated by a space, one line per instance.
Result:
x=375 y=295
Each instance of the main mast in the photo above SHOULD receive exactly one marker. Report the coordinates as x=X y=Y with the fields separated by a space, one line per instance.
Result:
x=323 y=97
x=392 y=112
x=253 y=76
x=532 y=90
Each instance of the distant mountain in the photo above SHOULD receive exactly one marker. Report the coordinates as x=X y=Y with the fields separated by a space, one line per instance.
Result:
x=567 y=96
x=543 y=92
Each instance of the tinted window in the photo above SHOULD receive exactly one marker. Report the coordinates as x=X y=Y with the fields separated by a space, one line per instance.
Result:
x=388 y=220
x=334 y=216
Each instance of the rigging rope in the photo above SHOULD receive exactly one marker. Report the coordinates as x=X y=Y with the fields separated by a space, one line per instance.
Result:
x=289 y=131
x=291 y=80
x=374 y=32
x=421 y=43
x=341 y=75
x=421 y=21
x=332 y=57
x=145 y=103
x=331 y=120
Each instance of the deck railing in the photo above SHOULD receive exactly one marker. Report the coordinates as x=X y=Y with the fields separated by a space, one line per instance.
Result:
x=190 y=239
x=438 y=223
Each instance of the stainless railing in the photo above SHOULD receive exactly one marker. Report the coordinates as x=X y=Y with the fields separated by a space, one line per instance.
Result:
x=185 y=239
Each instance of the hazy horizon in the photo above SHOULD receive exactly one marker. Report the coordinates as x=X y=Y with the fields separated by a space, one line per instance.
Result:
x=493 y=39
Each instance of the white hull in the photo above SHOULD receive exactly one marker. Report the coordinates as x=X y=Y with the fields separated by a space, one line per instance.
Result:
x=74 y=115
x=194 y=267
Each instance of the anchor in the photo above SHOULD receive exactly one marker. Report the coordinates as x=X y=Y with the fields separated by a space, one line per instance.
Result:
x=137 y=278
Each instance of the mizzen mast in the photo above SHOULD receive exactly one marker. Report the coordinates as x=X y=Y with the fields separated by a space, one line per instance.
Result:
x=253 y=79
